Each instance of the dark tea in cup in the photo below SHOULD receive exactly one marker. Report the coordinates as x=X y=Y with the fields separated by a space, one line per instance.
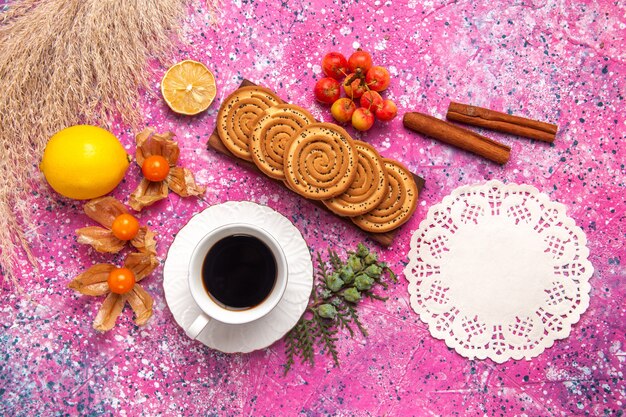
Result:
x=239 y=272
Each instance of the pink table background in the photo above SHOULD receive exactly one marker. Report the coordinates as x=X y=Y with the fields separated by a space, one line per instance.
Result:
x=558 y=61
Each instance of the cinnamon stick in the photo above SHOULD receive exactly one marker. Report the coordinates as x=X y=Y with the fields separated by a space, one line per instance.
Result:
x=501 y=122
x=457 y=136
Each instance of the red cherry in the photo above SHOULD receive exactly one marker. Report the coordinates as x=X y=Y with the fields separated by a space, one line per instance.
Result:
x=354 y=89
x=371 y=100
x=361 y=61
x=335 y=65
x=327 y=90
x=387 y=111
x=377 y=78
x=362 y=119
x=343 y=109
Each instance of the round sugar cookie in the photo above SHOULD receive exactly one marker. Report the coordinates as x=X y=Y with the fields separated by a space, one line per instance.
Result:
x=237 y=114
x=320 y=161
x=270 y=134
x=369 y=187
x=398 y=205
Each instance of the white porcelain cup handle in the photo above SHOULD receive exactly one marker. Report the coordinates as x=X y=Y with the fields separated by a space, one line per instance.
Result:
x=197 y=326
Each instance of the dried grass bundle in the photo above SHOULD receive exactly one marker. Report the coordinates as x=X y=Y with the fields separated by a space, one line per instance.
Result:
x=64 y=62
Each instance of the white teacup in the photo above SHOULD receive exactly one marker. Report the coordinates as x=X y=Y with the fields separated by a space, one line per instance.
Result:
x=211 y=308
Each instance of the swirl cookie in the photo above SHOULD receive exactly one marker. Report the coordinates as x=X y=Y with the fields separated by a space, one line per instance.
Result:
x=237 y=114
x=320 y=161
x=368 y=188
x=271 y=132
x=398 y=205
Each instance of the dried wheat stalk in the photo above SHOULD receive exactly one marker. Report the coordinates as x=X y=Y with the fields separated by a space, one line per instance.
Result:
x=64 y=62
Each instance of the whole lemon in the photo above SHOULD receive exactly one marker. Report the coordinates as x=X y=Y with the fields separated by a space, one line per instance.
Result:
x=84 y=162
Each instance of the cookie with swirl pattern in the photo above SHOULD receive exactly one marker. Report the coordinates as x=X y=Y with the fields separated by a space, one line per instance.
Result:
x=320 y=161
x=369 y=187
x=398 y=205
x=271 y=132
x=238 y=113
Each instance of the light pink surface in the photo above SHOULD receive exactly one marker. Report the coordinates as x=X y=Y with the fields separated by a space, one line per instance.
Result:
x=556 y=61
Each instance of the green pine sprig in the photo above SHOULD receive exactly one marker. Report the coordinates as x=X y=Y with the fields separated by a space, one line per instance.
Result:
x=338 y=288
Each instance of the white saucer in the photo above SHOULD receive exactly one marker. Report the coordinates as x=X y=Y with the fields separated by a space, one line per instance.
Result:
x=261 y=333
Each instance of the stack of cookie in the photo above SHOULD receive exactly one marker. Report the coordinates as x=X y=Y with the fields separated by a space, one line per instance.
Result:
x=319 y=161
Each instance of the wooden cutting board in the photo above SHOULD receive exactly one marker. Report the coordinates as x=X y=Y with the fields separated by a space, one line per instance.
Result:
x=384 y=239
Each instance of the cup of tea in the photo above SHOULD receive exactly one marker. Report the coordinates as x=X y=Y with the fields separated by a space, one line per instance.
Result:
x=237 y=274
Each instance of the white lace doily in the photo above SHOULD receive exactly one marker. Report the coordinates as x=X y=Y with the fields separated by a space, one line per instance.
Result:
x=499 y=271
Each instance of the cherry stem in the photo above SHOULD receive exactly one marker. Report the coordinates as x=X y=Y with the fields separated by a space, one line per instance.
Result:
x=351 y=79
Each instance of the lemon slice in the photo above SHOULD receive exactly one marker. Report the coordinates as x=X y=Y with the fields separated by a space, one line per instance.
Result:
x=188 y=87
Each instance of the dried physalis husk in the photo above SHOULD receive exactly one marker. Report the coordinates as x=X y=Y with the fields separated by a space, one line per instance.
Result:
x=104 y=211
x=141 y=264
x=109 y=311
x=100 y=239
x=141 y=303
x=94 y=282
x=150 y=143
x=144 y=241
x=148 y=193
x=179 y=180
